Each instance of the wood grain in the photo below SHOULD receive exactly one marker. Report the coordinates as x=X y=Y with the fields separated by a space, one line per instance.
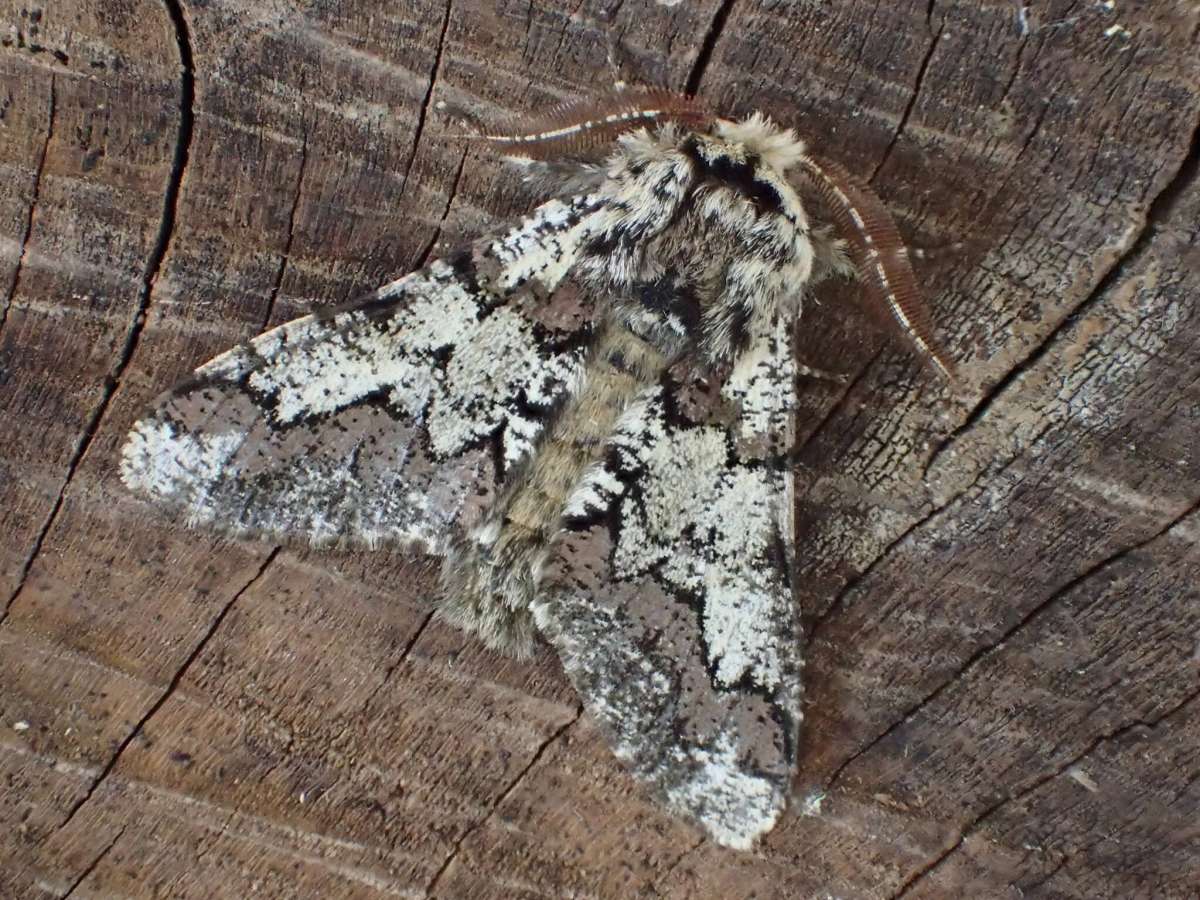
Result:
x=1001 y=585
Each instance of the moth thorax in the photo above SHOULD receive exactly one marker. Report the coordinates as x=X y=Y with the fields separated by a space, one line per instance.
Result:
x=727 y=294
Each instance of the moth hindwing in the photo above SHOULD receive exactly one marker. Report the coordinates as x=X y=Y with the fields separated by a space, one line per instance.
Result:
x=525 y=409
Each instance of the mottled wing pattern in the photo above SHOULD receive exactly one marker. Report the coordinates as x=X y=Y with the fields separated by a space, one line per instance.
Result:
x=390 y=420
x=669 y=599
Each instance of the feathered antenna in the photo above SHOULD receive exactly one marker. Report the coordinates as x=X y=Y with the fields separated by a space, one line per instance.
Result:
x=879 y=255
x=573 y=129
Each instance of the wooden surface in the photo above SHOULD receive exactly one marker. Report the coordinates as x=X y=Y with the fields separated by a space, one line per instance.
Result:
x=1002 y=586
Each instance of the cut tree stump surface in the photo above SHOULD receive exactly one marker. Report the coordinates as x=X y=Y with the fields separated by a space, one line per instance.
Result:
x=1001 y=586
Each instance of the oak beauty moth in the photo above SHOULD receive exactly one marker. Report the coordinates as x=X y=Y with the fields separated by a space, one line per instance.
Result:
x=562 y=466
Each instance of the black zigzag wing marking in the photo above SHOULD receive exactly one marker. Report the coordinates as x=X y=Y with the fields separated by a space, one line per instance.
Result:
x=388 y=420
x=669 y=599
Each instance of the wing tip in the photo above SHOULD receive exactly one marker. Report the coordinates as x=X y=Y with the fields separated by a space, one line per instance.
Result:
x=741 y=836
x=733 y=805
x=160 y=461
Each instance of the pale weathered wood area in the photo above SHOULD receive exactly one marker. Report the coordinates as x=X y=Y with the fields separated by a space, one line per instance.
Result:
x=1003 y=587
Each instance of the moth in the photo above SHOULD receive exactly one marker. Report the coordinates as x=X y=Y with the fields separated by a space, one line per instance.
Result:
x=528 y=409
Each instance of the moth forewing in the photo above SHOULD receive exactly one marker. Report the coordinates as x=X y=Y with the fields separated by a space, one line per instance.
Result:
x=679 y=624
x=357 y=424
x=572 y=488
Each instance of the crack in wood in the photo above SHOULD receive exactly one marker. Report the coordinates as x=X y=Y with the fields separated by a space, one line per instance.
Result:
x=34 y=196
x=504 y=795
x=1068 y=857
x=912 y=100
x=172 y=685
x=249 y=826
x=1038 y=120
x=91 y=867
x=610 y=16
x=670 y=870
x=1033 y=885
x=423 y=113
x=980 y=820
x=838 y=405
x=839 y=602
x=277 y=284
x=390 y=670
x=1158 y=215
x=904 y=117
x=1186 y=789
x=852 y=67
x=423 y=259
x=166 y=230
x=286 y=838
x=210 y=838
x=1032 y=615
x=839 y=418
x=1016 y=69
x=704 y=55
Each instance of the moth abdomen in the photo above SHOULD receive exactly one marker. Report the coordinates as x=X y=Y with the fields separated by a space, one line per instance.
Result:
x=491 y=579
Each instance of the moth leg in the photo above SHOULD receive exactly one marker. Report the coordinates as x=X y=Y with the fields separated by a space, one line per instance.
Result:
x=830 y=260
x=831 y=256
x=560 y=177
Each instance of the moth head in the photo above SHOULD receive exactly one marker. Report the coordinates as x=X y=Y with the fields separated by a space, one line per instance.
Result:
x=778 y=148
x=876 y=251
x=738 y=163
x=755 y=257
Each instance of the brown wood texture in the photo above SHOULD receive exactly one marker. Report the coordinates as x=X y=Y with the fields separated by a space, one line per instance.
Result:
x=1001 y=586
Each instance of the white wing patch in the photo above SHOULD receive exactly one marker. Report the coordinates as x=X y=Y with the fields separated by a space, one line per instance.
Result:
x=748 y=806
x=546 y=248
x=160 y=461
x=763 y=386
x=704 y=529
x=357 y=360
